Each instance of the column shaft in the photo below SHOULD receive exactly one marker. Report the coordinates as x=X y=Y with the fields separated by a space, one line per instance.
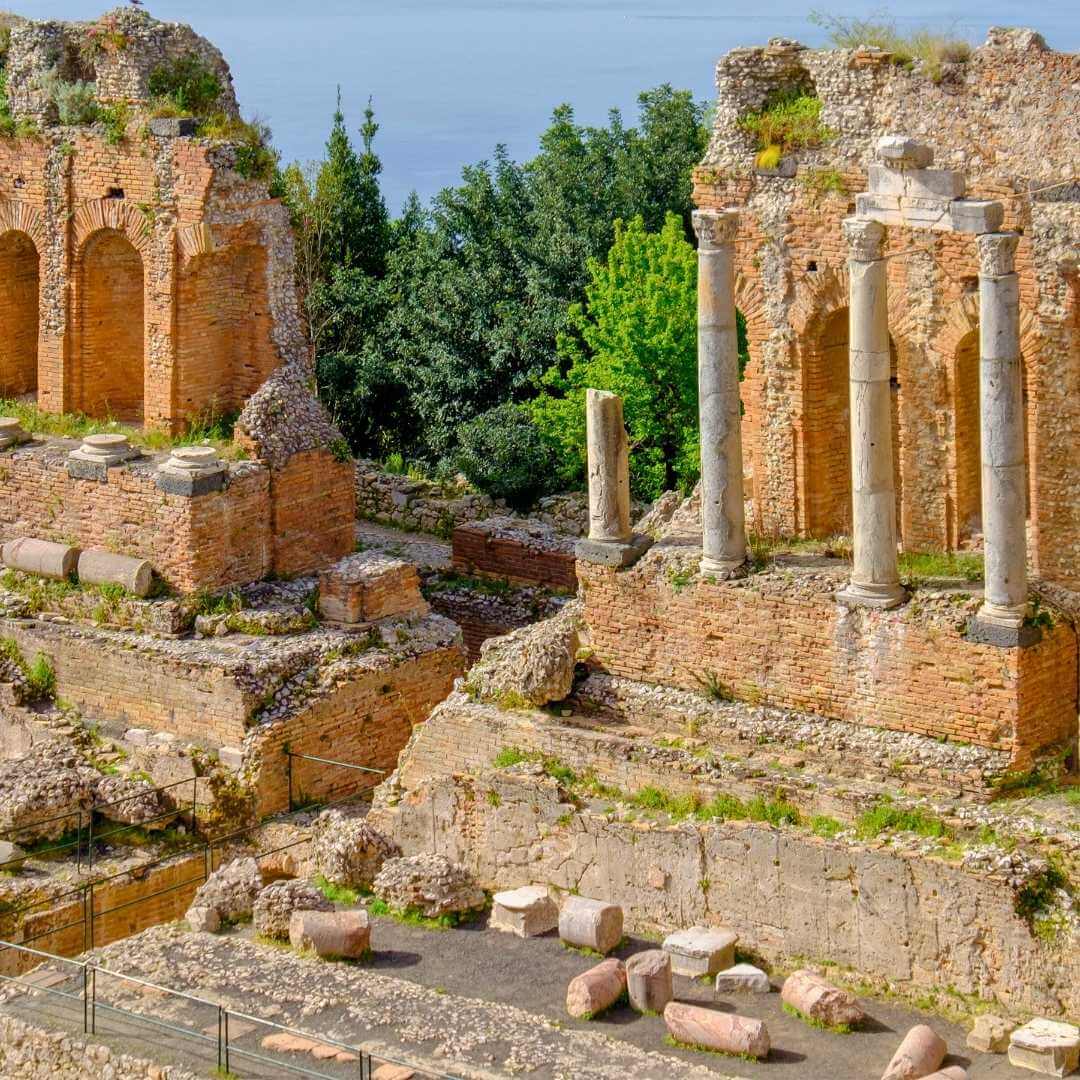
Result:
x=1004 y=473
x=875 y=577
x=609 y=468
x=723 y=515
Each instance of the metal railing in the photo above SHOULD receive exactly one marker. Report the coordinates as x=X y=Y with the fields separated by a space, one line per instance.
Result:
x=91 y=1004
x=291 y=755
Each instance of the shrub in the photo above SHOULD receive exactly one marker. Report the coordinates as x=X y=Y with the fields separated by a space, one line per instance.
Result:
x=76 y=103
x=502 y=453
x=116 y=118
x=188 y=84
x=789 y=120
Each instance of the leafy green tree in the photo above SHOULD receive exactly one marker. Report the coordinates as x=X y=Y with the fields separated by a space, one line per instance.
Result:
x=636 y=336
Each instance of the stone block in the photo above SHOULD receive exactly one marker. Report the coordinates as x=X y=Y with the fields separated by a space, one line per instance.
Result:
x=919 y=1054
x=526 y=912
x=986 y=632
x=369 y=586
x=97 y=454
x=138 y=736
x=933 y=183
x=1047 y=1047
x=885 y=181
x=97 y=567
x=926 y=212
x=990 y=1035
x=172 y=127
x=232 y=757
x=40 y=557
x=204 y=920
x=817 y=1000
x=976 y=215
x=727 y=1033
x=338 y=935
x=902 y=152
x=742 y=979
x=11 y=433
x=612 y=553
x=595 y=990
x=884 y=209
x=701 y=950
x=648 y=980
x=590 y=924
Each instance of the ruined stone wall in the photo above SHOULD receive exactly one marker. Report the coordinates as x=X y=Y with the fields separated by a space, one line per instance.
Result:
x=367 y=722
x=906 y=670
x=520 y=552
x=1002 y=119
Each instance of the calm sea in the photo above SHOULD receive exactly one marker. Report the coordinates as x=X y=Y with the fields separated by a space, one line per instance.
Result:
x=451 y=78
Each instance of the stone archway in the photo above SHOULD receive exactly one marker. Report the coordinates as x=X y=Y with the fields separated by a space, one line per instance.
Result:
x=109 y=377
x=19 y=285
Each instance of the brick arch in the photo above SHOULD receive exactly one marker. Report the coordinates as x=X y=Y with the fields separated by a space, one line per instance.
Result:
x=120 y=216
x=18 y=216
x=20 y=303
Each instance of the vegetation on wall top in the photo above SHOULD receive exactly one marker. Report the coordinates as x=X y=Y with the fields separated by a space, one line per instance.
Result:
x=789 y=120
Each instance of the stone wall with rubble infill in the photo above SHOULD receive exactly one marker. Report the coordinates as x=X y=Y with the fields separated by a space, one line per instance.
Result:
x=997 y=119
x=520 y=552
x=779 y=638
x=912 y=920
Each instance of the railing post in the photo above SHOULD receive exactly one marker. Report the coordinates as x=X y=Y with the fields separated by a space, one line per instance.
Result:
x=288 y=758
x=220 y=1054
x=90 y=911
x=93 y=1001
x=227 y=1070
x=90 y=843
x=85 y=999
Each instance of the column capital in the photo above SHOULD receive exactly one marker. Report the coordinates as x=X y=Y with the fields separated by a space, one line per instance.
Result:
x=716 y=228
x=997 y=253
x=865 y=238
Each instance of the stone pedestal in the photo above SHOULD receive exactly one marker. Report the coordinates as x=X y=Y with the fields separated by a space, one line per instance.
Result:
x=192 y=470
x=875 y=577
x=11 y=432
x=1004 y=473
x=98 y=454
x=722 y=505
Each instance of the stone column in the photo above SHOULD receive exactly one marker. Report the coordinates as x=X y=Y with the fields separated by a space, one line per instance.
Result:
x=875 y=578
x=1004 y=474
x=723 y=521
x=611 y=541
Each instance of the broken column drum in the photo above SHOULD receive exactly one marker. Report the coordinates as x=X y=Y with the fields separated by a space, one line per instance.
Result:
x=723 y=516
x=1004 y=476
x=609 y=468
x=875 y=577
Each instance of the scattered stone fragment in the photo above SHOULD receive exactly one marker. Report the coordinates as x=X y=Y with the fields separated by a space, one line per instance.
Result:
x=230 y=891
x=348 y=851
x=990 y=1035
x=1046 y=1046
x=203 y=920
x=526 y=912
x=953 y=1072
x=701 y=950
x=590 y=924
x=429 y=884
x=817 y=1000
x=134 y=802
x=283 y=1042
x=595 y=990
x=274 y=906
x=919 y=1055
x=11 y=855
x=45 y=795
x=393 y=1072
x=278 y=866
x=729 y=1033
x=648 y=980
x=332 y=935
x=742 y=979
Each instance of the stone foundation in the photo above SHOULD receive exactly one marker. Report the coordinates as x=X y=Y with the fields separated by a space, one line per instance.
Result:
x=520 y=552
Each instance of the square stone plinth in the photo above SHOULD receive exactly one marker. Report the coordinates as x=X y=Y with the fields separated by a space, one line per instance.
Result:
x=368 y=586
x=1047 y=1047
x=526 y=912
x=701 y=950
x=742 y=979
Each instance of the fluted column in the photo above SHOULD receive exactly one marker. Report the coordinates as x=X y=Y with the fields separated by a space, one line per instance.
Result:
x=875 y=577
x=723 y=516
x=1004 y=474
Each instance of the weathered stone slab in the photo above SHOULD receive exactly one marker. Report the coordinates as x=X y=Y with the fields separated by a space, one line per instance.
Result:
x=919 y=1054
x=990 y=1035
x=40 y=557
x=976 y=215
x=817 y=1000
x=342 y=935
x=742 y=979
x=611 y=552
x=595 y=990
x=701 y=950
x=900 y=151
x=648 y=980
x=726 y=1032
x=590 y=924
x=526 y=912
x=1047 y=1047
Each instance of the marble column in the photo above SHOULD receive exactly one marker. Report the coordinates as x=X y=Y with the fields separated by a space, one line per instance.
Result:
x=722 y=509
x=875 y=578
x=609 y=468
x=1004 y=473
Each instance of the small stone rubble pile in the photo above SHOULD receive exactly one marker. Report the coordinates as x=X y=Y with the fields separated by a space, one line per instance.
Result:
x=430 y=885
x=228 y=895
x=273 y=909
x=348 y=851
x=51 y=782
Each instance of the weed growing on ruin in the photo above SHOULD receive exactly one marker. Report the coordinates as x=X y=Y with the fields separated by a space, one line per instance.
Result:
x=336 y=894
x=824 y=826
x=412 y=917
x=187 y=84
x=722 y=808
x=452 y=579
x=680 y=577
x=885 y=816
x=255 y=158
x=116 y=117
x=919 y=565
x=836 y=1029
x=712 y=687
x=1038 y=894
x=1043 y=778
x=775 y=811
x=1039 y=616
x=494 y=798
x=822 y=182
x=789 y=120
x=670 y=1040
x=678 y=807
x=509 y=755
x=932 y=49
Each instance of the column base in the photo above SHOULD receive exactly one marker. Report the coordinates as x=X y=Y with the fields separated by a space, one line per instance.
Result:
x=1003 y=635
x=724 y=568
x=613 y=552
x=881 y=597
x=1006 y=616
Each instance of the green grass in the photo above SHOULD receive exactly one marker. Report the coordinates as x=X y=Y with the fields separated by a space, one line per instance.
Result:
x=712 y=687
x=451 y=579
x=670 y=1040
x=949 y=564
x=412 y=917
x=885 y=817
x=836 y=1029
x=336 y=894
x=1037 y=895
x=824 y=826
x=789 y=120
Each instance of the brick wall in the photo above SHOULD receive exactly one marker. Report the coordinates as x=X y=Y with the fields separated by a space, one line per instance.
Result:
x=366 y=722
x=521 y=561
x=18 y=314
x=895 y=670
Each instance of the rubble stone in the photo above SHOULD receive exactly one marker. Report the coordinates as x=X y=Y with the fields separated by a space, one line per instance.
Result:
x=648 y=980
x=595 y=990
x=817 y=1000
x=701 y=950
x=526 y=912
x=274 y=906
x=990 y=1035
x=742 y=979
x=590 y=924
x=348 y=851
x=44 y=795
x=231 y=890
x=428 y=884
x=134 y=802
x=726 y=1032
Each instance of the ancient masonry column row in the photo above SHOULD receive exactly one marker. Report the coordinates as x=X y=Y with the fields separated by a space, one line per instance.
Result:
x=1004 y=476
x=722 y=508
x=875 y=577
